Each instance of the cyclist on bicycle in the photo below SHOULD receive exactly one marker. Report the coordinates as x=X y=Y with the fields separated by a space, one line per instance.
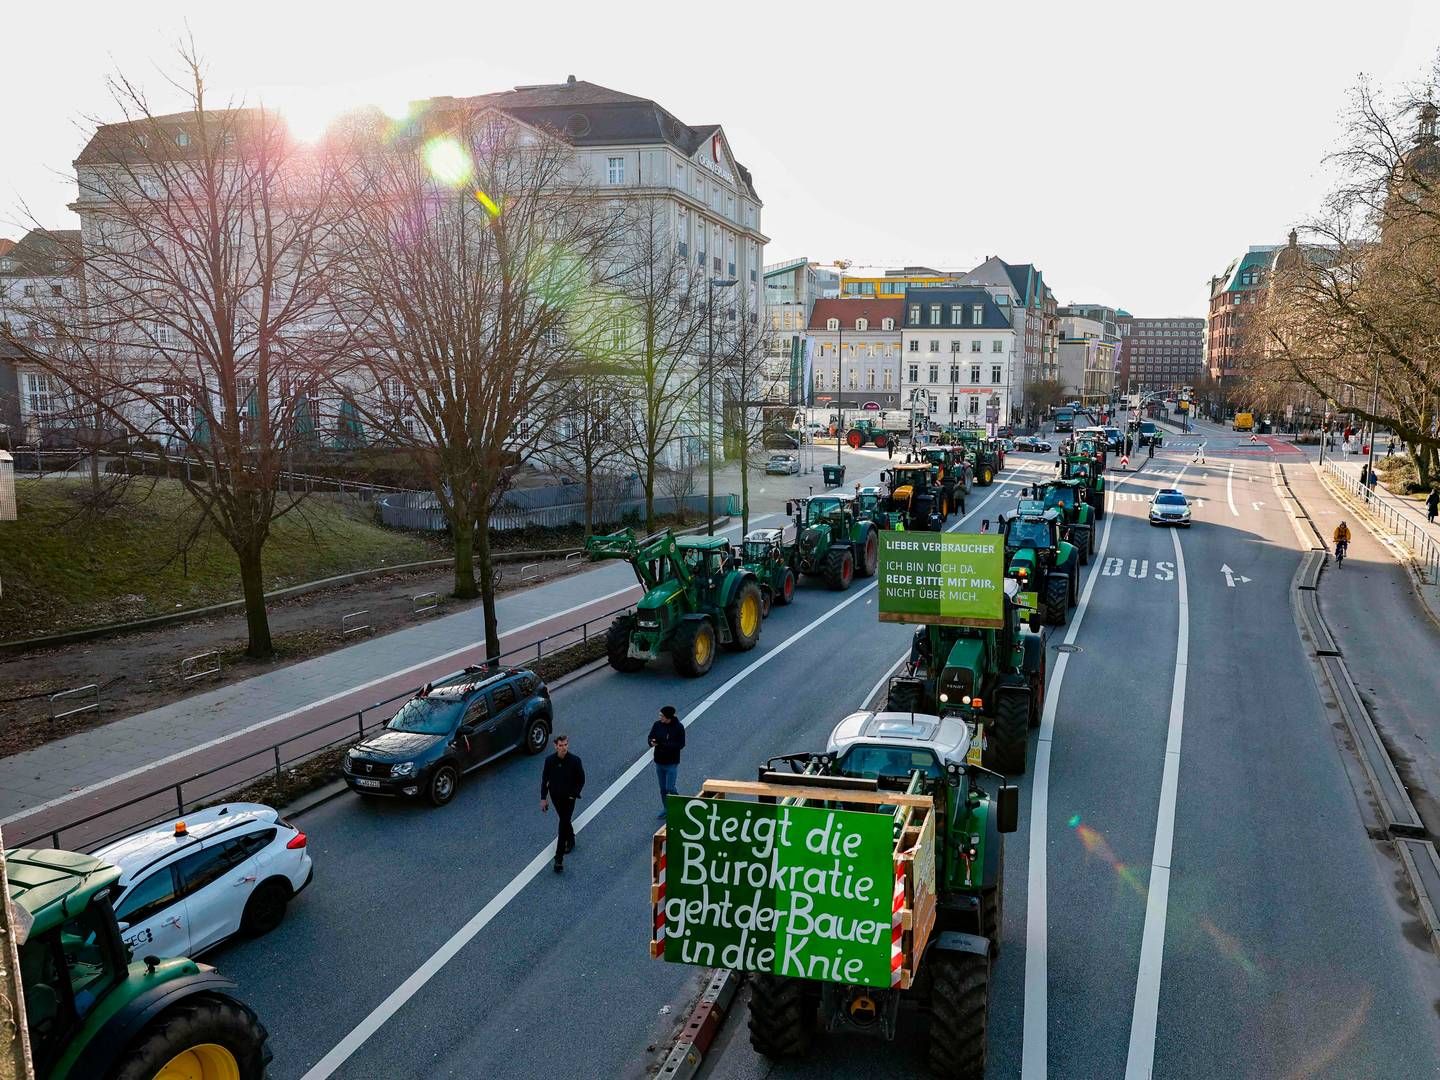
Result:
x=1342 y=540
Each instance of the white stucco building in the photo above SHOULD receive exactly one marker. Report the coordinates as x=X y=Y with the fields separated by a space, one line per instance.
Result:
x=959 y=346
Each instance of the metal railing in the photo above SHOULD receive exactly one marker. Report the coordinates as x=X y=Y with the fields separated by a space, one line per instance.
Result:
x=177 y=798
x=424 y=603
x=1401 y=525
x=355 y=622
x=200 y=665
x=92 y=689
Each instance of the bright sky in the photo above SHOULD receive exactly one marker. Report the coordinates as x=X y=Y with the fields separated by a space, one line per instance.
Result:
x=1130 y=149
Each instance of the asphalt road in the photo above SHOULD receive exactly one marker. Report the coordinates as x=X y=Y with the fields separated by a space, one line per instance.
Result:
x=1270 y=917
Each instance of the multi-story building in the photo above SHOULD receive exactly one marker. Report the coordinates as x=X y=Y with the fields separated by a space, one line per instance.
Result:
x=961 y=347
x=1233 y=294
x=1162 y=354
x=791 y=289
x=856 y=352
x=38 y=272
x=1087 y=359
x=1023 y=287
x=893 y=284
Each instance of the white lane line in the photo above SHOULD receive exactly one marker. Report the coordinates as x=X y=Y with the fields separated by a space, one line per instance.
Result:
x=397 y=998
x=1140 y=1063
x=1035 y=1040
x=80 y=793
x=1230 y=488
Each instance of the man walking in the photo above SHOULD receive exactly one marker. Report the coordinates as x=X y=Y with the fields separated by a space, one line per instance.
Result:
x=667 y=736
x=1432 y=504
x=890 y=449
x=561 y=782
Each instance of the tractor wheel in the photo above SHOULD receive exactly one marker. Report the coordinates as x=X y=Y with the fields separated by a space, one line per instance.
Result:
x=782 y=1017
x=1010 y=733
x=786 y=592
x=881 y=440
x=1083 y=545
x=855 y=439
x=617 y=645
x=839 y=568
x=992 y=908
x=903 y=697
x=765 y=601
x=209 y=1038
x=1097 y=503
x=959 y=1008
x=870 y=556
x=1057 y=596
x=1074 y=585
x=987 y=476
x=744 y=616
x=693 y=650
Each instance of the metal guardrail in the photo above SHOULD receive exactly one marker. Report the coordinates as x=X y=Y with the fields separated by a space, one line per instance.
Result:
x=191 y=669
x=1403 y=526
x=93 y=689
x=179 y=797
x=353 y=624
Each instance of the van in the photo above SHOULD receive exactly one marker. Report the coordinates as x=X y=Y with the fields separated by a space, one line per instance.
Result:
x=1244 y=421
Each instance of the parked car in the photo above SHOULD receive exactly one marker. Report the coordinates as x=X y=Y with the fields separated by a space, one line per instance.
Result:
x=451 y=726
x=1033 y=443
x=193 y=882
x=1168 y=506
x=782 y=465
x=1114 y=439
x=780 y=440
x=1004 y=431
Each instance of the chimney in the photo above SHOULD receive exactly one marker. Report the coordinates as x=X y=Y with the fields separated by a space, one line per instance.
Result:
x=570 y=82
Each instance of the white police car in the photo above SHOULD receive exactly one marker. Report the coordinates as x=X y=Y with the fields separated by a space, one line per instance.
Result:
x=188 y=885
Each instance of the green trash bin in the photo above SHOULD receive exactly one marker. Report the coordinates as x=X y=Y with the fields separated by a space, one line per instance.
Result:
x=834 y=475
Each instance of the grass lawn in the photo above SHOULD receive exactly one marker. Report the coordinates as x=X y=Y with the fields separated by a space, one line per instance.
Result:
x=63 y=568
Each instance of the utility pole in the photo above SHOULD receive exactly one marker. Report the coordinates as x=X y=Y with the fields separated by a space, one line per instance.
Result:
x=710 y=284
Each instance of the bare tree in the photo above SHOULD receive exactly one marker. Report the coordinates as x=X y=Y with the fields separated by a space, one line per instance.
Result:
x=593 y=407
x=745 y=381
x=201 y=332
x=663 y=304
x=477 y=275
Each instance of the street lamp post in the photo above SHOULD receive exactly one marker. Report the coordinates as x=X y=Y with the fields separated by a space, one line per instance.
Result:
x=839 y=390
x=1374 y=412
x=710 y=284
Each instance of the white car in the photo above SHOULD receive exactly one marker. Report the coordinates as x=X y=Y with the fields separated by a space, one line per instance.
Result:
x=1169 y=506
x=782 y=464
x=188 y=885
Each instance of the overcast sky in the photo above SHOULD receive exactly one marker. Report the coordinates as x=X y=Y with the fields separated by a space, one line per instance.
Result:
x=1128 y=149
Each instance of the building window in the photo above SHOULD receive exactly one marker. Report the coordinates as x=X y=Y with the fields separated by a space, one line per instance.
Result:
x=57 y=290
x=819 y=380
x=914 y=314
x=975 y=346
x=956 y=313
x=997 y=345
x=974 y=373
x=862 y=324
x=974 y=405
x=955 y=346
x=887 y=324
x=914 y=344
x=164 y=335
x=615 y=170
x=995 y=373
x=914 y=373
x=832 y=324
x=870 y=379
x=934 y=345
x=954 y=373
x=954 y=404
x=854 y=383
x=29 y=290
x=934 y=314
x=934 y=373
x=40 y=395
x=977 y=313
x=886 y=378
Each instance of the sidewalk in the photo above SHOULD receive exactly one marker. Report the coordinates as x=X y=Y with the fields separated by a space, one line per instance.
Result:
x=1390 y=644
x=1405 y=517
x=94 y=770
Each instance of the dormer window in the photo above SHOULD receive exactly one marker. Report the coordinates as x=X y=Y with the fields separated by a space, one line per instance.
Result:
x=914 y=314
x=182 y=138
x=832 y=324
x=862 y=324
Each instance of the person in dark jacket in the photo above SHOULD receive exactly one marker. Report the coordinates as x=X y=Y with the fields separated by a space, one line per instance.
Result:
x=561 y=782
x=1432 y=504
x=667 y=736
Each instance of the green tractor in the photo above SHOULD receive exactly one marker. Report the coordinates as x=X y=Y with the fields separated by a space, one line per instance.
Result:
x=835 y=543
x=1039 y=557
x=1076 y=515
x=1092 y=444
x=1082 y=467
x=872 y=504
x=862 y=432
x=950 y=857
x=985 y=454
x=950 y=471
x=773 y=556
x=697 y=595
x=95 y=1012
x=913 y=497
x=993 y=677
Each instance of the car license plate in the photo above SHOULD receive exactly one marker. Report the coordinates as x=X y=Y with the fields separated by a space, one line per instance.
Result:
x=362 y=782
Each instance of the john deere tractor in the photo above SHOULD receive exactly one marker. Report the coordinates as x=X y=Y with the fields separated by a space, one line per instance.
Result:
x=951 y=473
x=93 y=1011
x=697 y=595
x=985 y=454
x=872 y=504
x=773 y=556
x=993 y=677
x=1092 y=444
x=1041 y=560
x=949 y=859
x=1082 y=467
x=1076 y=515
x=834 y=543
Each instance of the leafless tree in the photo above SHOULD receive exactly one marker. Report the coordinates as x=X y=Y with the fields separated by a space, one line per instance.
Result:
x=745 y=384
x=477 y=274
x=202 y=329
x=593 y=407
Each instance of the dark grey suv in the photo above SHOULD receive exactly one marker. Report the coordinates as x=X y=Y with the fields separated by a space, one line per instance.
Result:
x=451 y=726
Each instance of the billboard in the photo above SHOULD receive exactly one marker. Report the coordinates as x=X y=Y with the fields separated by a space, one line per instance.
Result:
x=951 y=578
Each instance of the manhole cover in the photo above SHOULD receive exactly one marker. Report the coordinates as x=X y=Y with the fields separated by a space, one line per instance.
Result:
x=1069 y=648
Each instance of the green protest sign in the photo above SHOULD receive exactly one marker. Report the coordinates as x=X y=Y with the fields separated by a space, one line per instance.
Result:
x=788 y=890
x=955 y=578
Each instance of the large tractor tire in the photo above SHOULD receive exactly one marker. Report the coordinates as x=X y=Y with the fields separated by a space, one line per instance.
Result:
x=1057 y=598
x=1097 y=503
x=959 y=1015
x=869 y=555
x=206 y=1037
x=1037 y=691
x=1009 y=735
x=1074 y=583
x=904 y=697
x=987 y=476
x=745 y=613
x=839 y=568
x=855 y=439
x=786 y=592
x=617 y=645
x=693 y=650
x=992 y=908
x=782 y=1016
x=881 y=440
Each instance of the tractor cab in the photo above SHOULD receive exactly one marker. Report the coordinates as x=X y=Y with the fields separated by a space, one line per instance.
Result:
x=762 y=544
x=891 y=747
x=706 y=557
x=912 y=495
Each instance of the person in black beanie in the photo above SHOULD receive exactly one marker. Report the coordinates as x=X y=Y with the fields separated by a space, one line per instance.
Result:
x=667 y=736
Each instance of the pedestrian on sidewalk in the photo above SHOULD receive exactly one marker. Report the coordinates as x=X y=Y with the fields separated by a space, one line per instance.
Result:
x=561 y=782
x=1432 y=504
x=1390 y=449
x=667 y=736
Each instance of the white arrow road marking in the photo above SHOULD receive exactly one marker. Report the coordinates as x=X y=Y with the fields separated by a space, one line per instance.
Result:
x=1256 y=504
x=1231 y=577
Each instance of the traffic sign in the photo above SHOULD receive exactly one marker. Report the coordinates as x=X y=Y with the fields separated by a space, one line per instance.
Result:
x=1125 y=461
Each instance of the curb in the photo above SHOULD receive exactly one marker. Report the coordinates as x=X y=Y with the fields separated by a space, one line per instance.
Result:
x=699 y=1032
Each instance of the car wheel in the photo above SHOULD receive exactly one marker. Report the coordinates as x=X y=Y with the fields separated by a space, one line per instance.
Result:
x=443 y=784
x=265 y=908
x=537 y=735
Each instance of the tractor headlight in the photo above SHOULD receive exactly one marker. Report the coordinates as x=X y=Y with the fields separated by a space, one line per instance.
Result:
x=965 y=700
x=944 y=696
x=403 y=768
